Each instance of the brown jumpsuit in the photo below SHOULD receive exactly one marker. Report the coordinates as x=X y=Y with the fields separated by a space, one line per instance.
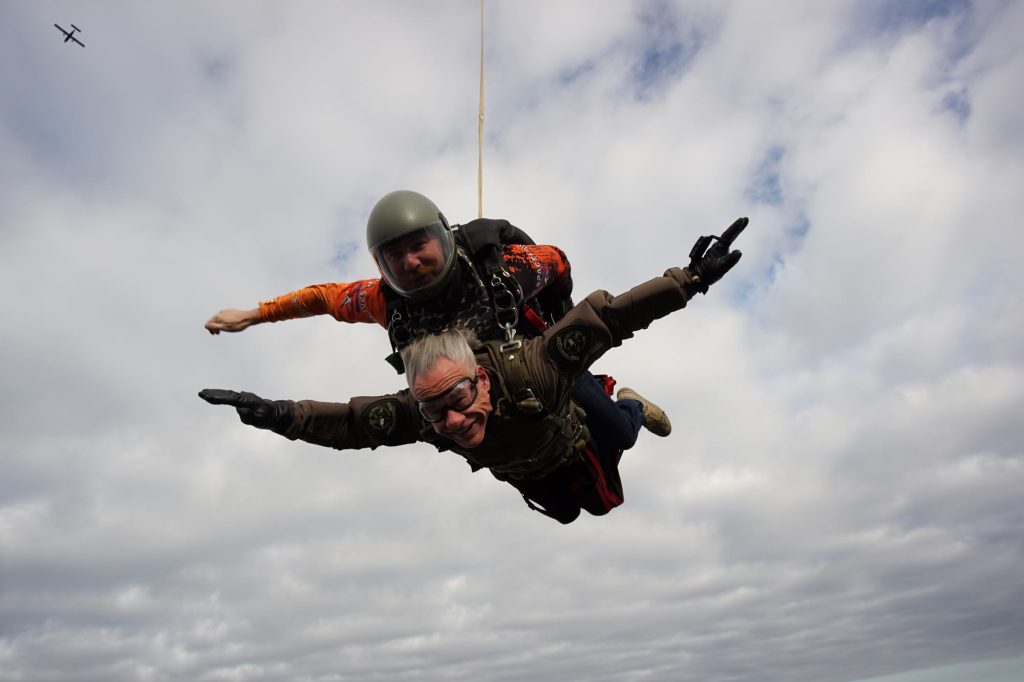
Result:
x=519 y=447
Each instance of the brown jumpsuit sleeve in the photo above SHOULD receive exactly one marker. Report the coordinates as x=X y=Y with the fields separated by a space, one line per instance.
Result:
x=363 y=422
x=602 y=321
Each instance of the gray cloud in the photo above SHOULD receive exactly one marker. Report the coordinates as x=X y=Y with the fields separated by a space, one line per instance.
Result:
x=838 y=499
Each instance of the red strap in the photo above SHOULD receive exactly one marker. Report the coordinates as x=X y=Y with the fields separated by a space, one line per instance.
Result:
x=533 y=318
x=607 y=383
x=609 y=499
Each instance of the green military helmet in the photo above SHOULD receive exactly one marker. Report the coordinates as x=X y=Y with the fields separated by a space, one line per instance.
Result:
x=412 y=244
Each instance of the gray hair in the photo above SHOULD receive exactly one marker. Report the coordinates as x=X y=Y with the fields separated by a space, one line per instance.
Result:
x=423 y=353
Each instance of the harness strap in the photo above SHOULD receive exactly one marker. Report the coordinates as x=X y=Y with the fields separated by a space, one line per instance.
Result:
x=508 y=359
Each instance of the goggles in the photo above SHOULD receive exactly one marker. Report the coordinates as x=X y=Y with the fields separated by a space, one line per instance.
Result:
x=459 y=397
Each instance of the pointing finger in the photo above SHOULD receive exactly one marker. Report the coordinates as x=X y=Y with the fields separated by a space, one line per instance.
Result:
x=220 y=396
x=733 y=231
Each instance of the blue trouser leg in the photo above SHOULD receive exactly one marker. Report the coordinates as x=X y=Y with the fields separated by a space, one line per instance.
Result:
x=613 y=424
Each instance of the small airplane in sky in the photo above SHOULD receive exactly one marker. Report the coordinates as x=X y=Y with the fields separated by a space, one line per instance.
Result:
x=71 y=36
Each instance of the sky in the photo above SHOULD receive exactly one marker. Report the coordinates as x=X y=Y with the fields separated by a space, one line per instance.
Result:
x=839 y=499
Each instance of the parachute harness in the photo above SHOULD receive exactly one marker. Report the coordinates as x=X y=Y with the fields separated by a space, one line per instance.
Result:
x=506 y=307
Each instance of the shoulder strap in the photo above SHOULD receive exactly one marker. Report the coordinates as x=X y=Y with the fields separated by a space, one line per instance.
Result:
x=399 y=334
x=482 y=240
x=484 y=234
x=509 y=363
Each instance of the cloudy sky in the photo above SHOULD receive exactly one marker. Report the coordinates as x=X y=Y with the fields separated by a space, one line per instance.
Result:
x=840 y=498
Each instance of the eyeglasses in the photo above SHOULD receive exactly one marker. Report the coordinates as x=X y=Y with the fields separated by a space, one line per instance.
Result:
x=459 y=397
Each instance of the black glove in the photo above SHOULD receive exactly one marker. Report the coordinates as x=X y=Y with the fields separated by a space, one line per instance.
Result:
x=707 y=266
x=253 y=410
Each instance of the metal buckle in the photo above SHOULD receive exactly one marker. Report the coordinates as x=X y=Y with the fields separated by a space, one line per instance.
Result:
x=511 y=345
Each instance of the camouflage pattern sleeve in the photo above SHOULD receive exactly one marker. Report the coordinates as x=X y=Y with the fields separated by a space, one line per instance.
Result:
x=538 y=267
x=359 y=301
x=363 y=422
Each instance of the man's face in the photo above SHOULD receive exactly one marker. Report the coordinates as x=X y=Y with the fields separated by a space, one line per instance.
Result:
x=414 y=260
x=463 y=424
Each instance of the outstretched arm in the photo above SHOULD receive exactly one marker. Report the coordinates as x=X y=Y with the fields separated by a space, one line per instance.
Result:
x=602 y=321
x=363 y=422
x=359 y=301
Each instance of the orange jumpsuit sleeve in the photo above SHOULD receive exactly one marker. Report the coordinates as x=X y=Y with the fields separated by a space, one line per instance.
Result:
x=359 y=301
x=538 y=267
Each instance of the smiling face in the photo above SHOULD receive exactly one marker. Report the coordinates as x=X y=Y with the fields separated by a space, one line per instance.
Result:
x=463 y=425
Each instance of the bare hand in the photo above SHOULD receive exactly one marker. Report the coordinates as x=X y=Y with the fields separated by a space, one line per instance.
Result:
x=232 y=320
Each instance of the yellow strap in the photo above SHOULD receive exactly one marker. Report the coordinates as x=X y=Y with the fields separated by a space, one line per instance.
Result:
x=480 y=127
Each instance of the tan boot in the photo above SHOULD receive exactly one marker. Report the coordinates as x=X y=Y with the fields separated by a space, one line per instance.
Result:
x=655 y=419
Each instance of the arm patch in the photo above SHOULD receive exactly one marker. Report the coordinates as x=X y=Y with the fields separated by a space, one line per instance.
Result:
x=571 y=346
x=380 y=419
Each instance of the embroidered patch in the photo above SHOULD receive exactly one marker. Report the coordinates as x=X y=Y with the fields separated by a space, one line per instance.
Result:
x=571 y=345
x=381 y=417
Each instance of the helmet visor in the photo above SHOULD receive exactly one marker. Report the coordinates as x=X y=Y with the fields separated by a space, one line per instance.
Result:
x=417 y=262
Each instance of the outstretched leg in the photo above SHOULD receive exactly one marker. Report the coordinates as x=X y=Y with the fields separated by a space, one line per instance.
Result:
x=654 y=418
x=613 y=423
